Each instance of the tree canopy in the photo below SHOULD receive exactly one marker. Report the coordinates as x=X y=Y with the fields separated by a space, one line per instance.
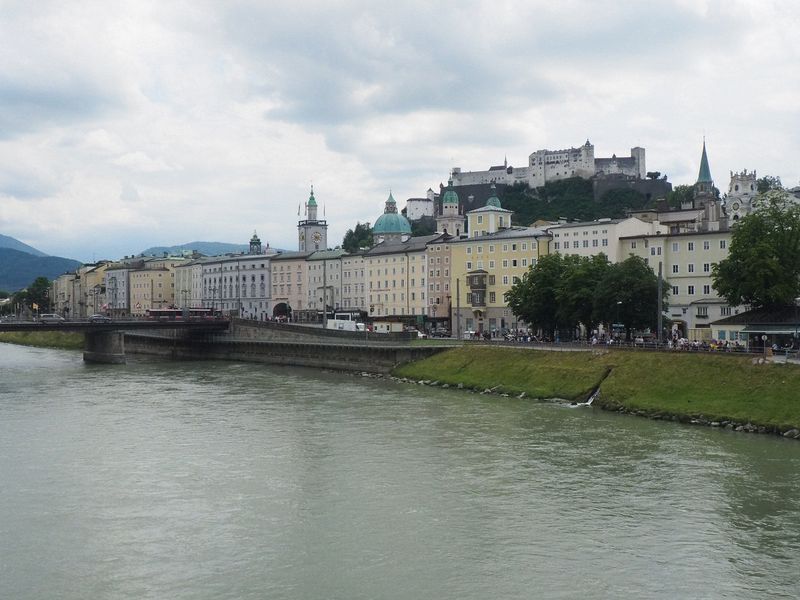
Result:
x=561 y=292
x=767 y=183
x=360 y=237
x=762 y=268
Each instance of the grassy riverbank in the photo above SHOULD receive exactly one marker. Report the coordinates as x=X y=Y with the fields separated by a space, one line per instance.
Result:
x=714 y=387
x=45 y=339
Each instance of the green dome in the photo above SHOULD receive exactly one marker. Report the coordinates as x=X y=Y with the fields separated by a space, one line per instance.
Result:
x=390 y=221
x=311 y=200
x=493 y=199
x=450 y=196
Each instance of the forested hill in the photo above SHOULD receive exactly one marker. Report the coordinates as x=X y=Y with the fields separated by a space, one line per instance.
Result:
x=19 y=269
x=570 y=199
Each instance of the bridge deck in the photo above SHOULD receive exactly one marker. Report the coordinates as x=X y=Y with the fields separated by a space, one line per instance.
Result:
x=117 y=325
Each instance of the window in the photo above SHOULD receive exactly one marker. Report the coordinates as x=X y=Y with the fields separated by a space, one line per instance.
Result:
x=594 y=243
x=513 y=247
x=706 y=289
x=605 y=243
x=491 y=264
x=505 y=279
x=492 y=297
x=706 y=268
x=557 y=245
x=524 y=262
x=690 y=246
x=702 y=311
x=505 y=264
x=505 y=247
x=674 y=269
x=674 y=290
x=491 y=279
x=469 y=249
x=725 y=311
x=491 y=248
x=723 y=244
x=674 y=246
x=585 y=243
x=524 y=246
x=469 y=265
x=575 y=244
x=480 y=218
x=514 y=263
x=690 y=268
x=706 y=245
x=690 y=290
x=633 y=245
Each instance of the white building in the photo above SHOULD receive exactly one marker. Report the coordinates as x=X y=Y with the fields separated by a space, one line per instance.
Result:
x=239 y=284
x=589 y=238
x=552 y=165
x=416 y=208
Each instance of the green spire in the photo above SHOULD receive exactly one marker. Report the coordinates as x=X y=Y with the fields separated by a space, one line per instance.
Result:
x=450 y=196
x=391 y=198
x=493 y=199
x=311 y=200
x=705 y=173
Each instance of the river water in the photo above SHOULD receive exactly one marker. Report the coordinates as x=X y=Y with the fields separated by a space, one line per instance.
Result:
x=225 y=480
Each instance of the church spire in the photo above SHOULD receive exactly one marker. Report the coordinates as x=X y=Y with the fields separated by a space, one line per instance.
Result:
x=705 y=172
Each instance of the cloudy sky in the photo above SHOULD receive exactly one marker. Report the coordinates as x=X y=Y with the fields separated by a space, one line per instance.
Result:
x=125 y=125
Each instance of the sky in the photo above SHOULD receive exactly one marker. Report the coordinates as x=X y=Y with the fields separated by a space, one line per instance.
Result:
x=125 y=125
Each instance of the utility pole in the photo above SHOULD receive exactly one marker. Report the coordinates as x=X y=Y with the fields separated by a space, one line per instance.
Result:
x=458 y=309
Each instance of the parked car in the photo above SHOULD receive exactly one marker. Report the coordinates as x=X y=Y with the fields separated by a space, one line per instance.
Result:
x=98 y=318
x=51 y=318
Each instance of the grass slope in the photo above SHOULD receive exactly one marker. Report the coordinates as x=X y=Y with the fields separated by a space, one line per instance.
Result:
x=45 y=339
x=717 y=387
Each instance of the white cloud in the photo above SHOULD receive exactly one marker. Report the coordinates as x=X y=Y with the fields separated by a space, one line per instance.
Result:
x=134 y=124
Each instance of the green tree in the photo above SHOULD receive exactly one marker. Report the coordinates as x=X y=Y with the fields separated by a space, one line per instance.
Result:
x=534 y=297
x=360 y=237
x=577 y=291
x=628 y=294
x=424 y=226
x=767 y=183
x=680 y=194
x=762 y=268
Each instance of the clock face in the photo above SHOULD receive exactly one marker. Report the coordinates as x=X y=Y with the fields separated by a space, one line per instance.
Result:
x=735 y=206
x=317 y=236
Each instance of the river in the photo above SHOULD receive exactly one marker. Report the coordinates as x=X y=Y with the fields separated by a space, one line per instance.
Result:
x=227 y=480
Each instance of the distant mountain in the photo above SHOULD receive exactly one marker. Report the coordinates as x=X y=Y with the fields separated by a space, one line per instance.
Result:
x=19 y=269
x=14 y=244
x=207 y=248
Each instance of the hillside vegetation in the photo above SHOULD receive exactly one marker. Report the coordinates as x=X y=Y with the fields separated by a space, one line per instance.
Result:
x=571 y=199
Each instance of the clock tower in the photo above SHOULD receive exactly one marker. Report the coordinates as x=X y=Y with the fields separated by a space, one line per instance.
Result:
x=312 y=234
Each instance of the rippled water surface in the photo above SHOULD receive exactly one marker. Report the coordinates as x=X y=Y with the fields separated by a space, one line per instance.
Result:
x=225 y=480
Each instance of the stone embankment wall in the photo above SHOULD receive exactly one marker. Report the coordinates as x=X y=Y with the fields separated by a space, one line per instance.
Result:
x=317 y=353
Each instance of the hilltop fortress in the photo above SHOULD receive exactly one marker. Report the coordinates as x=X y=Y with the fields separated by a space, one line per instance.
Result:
x=552 y=165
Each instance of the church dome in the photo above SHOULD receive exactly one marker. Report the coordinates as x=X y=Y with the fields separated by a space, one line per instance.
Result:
x=450 y=196
x=493 y=199
x=390 y=222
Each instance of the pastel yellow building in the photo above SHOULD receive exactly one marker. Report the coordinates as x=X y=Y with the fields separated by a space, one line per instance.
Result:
x=486 y=264
x=396 y=274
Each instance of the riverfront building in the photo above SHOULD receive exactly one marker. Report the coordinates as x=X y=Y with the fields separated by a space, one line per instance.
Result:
x=239 y=284
x=486 y=264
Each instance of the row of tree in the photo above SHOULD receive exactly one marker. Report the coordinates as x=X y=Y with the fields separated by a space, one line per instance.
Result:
x=37 y=293
x=560 y=293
